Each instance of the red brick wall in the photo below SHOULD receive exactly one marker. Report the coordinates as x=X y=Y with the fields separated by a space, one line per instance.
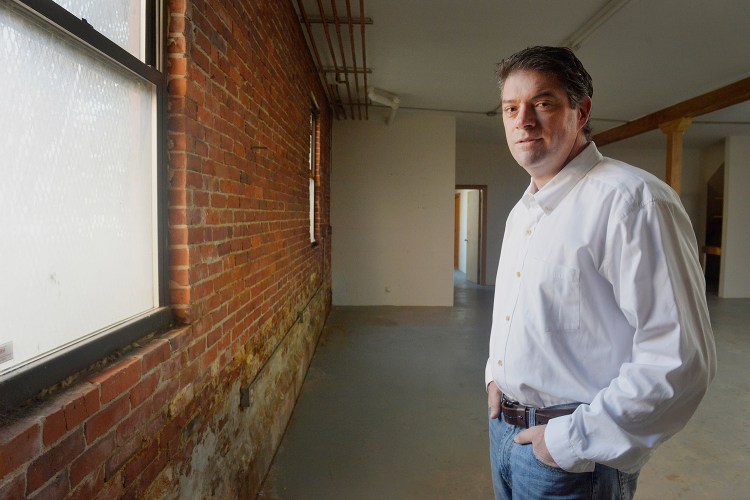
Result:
x=249 y=291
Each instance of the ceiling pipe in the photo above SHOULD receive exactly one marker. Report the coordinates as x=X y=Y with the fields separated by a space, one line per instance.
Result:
x=364 y=51
x=308 y=27
x=343 y=56
x=354 y=56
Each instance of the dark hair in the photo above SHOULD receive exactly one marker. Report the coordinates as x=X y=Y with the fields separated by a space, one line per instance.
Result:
x=560 y=62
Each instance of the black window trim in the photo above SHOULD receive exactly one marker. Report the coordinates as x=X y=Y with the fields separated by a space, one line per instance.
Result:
x=28 y=381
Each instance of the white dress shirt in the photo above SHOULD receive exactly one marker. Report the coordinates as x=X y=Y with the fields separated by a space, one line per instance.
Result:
x=600 y=299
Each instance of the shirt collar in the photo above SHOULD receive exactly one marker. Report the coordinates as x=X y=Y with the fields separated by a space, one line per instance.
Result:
x=555 y=190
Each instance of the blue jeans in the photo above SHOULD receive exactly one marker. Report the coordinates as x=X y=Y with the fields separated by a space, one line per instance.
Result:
x=516 y=473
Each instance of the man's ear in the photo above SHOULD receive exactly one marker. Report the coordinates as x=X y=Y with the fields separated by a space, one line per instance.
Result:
x=584 y=111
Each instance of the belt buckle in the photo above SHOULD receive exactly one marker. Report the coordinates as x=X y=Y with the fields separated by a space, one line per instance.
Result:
x=520 y=413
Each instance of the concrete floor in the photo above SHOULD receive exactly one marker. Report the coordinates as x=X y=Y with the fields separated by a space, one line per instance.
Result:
x=394 y=406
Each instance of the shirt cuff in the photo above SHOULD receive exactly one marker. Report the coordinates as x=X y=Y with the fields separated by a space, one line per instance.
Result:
x=487 y=375
x=559 y=437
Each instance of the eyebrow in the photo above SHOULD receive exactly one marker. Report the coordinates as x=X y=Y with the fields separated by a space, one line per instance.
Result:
x=543 y=93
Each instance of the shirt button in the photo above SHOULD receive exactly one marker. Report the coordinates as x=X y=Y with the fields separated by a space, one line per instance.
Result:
x=518 y=274
x=499 y=362
x=528 y=232
x=507 y=318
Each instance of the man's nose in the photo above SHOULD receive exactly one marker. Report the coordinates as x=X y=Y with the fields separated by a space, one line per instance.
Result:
x=526 y=117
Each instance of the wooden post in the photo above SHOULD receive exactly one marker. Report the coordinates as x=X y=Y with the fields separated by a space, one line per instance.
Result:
x=675 y=130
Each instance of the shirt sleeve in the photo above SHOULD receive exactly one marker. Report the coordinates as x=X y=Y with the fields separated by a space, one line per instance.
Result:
x=658 y=285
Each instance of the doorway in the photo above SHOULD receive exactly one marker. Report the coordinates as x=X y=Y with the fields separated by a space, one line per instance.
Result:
x=714 y=225
x=470 y=228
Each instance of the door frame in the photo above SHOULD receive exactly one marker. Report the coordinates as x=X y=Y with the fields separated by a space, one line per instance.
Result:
x=482 y=247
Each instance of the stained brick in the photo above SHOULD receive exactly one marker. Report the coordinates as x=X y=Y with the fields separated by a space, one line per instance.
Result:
x=140 y=461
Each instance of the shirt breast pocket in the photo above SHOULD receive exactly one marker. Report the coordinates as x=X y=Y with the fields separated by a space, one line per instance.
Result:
x=552 y=296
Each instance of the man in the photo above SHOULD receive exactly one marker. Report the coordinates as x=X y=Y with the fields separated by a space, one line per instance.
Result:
x=601 y=346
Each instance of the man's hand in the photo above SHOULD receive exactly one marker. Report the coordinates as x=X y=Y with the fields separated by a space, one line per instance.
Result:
x=535 y=436
x=493 y=399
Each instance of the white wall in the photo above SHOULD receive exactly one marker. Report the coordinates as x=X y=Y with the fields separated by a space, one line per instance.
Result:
x=392 y=209
x=735 y=269
x=492 y=165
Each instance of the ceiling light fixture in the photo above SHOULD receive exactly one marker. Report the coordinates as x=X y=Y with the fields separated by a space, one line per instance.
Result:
x=386 y=99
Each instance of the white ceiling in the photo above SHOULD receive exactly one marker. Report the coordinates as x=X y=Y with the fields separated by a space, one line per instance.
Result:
x=650 y=54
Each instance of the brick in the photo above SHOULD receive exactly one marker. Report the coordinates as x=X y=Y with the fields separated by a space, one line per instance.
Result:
x=117 y=380
x=120 y=456
x=19 y=443
x=54 y=427
x=13 y=487
x=92 y=486
x=139 y=462
x=152 y=471
x=154 y=354
x=57 y=488
x=92 y=459
x=84 y=402
x=176 y=6
x=112 y=488
x=180 y=338
x=54 y=460
x=137 y=421
x=107 y=418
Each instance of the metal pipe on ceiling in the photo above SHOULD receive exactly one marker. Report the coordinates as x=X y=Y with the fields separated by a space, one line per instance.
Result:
x=331 y=50
x=341 y=71
x=354 y=57
x=364 y=51
x=343 y=55
x=314 y=47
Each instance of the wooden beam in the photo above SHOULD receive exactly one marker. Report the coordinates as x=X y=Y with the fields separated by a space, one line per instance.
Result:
x=724 y=97
x=675 y=130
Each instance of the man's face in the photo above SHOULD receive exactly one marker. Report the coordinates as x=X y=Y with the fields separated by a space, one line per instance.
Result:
x=542 y=130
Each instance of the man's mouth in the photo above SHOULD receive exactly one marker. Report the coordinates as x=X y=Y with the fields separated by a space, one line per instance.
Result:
x=528 y=140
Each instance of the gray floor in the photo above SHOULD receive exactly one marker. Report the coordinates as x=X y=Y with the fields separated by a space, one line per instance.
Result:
x=394 y=407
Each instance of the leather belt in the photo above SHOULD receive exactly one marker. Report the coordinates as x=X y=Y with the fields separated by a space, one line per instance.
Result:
x=528 y=416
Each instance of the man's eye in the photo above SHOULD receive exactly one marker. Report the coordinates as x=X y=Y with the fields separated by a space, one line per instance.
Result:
x=543 y=105
x=510 y=110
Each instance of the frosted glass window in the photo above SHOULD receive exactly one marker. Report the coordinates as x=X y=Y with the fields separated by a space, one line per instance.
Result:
x=122 y=21
x=78 y=197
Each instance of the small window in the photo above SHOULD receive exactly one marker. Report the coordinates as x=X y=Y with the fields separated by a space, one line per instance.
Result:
x=313 y=165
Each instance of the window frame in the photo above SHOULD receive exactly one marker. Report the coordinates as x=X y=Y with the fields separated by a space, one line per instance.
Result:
x=28 y=381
